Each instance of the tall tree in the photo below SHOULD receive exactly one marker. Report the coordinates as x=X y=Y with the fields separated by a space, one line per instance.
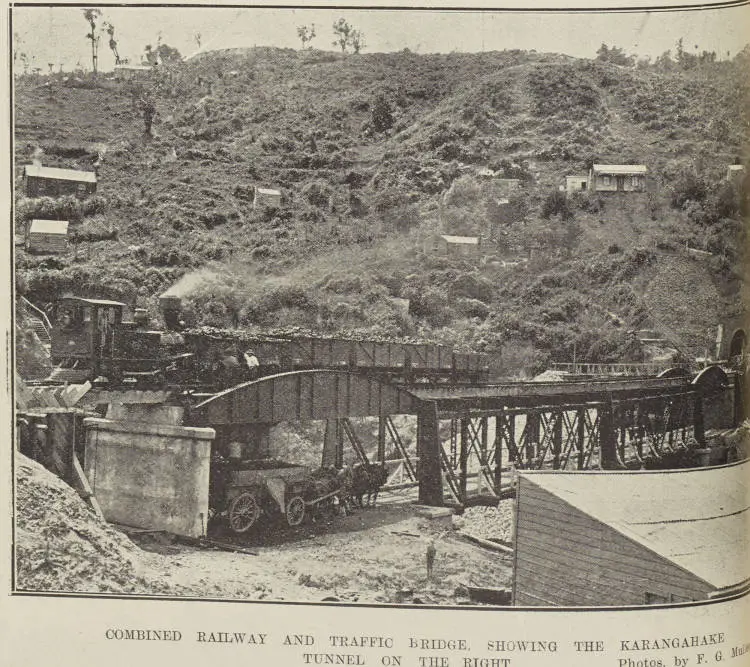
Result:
x=92 y=16
x=112 y=43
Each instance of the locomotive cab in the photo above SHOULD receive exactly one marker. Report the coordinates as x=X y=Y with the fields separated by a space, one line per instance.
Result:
x=83 y=331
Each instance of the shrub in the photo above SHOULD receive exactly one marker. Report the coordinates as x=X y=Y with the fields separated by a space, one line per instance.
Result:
x=688 y=187
x=473 y=308
x=94 y=205
x=430 y=304
x=382 y=117
x=587 y=202
x=556 y=203
x=317 y=193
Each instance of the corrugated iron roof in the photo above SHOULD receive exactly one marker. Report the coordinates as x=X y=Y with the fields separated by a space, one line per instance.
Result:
x=620 y=168
x=134 y=68
x=267 y=191
x=467 y=240
x=699 y=519
x=59 y=174
x=48 y=227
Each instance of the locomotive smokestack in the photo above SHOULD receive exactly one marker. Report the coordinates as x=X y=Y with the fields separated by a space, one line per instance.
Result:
x=171 y=308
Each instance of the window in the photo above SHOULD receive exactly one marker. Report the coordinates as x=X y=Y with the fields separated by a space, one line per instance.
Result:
x=583 y=185
x=606 y=179
x=86 y=314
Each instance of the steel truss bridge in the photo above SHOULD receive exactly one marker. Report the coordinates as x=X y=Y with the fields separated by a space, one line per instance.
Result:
x=478 y=434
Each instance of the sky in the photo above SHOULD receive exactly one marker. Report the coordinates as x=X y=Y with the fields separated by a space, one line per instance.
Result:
x=57 y=35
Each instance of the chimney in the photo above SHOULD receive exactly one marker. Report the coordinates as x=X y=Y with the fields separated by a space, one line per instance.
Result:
x=171 y=307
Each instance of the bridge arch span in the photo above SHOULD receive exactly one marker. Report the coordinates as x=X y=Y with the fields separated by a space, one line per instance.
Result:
x=303 y=395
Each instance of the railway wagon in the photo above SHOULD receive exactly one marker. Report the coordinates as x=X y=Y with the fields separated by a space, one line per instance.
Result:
x=395 y=361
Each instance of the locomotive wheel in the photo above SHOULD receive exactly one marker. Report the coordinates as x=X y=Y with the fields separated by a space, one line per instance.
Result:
x=244 y=511
x=295 y=511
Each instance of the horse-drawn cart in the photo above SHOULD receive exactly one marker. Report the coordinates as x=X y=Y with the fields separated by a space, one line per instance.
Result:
x=243 y=491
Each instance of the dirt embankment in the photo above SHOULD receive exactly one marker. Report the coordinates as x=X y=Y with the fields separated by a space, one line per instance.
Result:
x=375 y=555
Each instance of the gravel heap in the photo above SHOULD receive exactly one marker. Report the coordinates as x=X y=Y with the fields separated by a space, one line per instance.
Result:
x=489 y=523
x=62 y=545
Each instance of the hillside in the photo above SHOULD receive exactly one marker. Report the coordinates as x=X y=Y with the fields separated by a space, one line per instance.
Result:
x=372 y=153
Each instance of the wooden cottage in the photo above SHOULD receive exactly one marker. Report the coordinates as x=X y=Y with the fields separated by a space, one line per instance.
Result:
x=736 y=173
x=132 y=72
x=576 y=184
x=39 y=181
x=47 y=236
x=453 y=246
x=266 y=198
x=617 y=178
x=631 y=538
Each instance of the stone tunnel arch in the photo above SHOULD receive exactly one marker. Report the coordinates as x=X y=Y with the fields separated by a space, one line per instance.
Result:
x=737 y=343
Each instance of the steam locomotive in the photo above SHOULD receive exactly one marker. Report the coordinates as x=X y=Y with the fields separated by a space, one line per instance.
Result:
x=91 y=340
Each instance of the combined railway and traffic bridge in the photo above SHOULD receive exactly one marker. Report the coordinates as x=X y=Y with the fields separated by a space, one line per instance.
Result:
x=595 y=423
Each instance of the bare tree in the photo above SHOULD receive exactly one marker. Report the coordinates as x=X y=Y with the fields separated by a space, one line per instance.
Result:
x=198 y=37
x=112 y=43
x=92 y=16
x=306 y=34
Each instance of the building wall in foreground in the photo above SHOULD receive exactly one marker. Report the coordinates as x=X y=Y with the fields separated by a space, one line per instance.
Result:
x=564 y=557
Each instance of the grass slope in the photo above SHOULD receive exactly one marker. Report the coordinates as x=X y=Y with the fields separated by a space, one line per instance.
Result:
x=362 y=188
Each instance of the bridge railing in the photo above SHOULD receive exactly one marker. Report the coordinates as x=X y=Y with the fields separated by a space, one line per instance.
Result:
x=621 y=368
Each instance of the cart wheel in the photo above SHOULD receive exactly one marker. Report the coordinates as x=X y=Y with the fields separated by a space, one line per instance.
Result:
x=295 y=511
x=244 y=511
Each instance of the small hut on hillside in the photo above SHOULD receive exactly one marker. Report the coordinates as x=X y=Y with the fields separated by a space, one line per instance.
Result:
x=266 y=198
x=132 y=72
x=42 y=181
x=736 y=173
x=47 y=236
x=576 y=184
x=452 y=246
